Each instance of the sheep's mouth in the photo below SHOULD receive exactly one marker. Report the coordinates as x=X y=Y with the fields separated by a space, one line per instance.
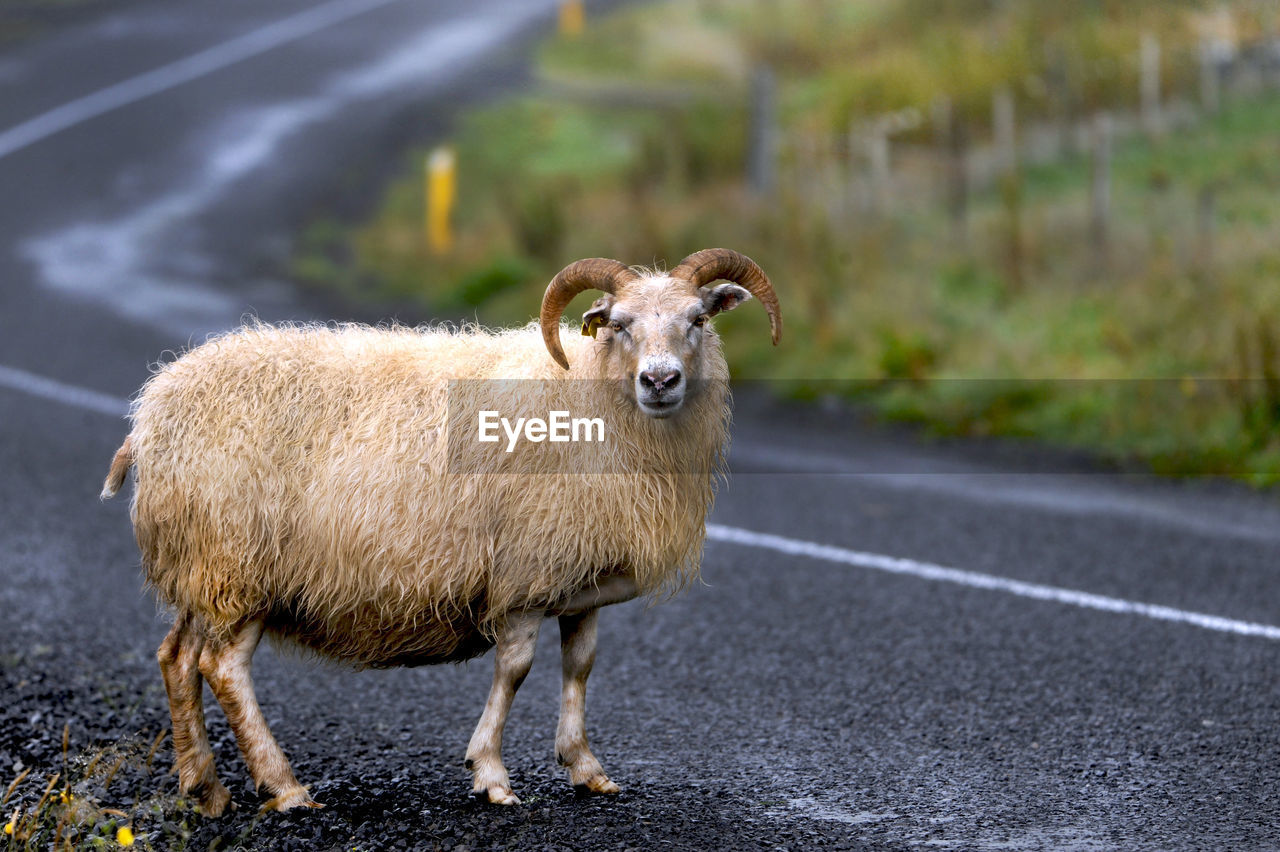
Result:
x=660 y=408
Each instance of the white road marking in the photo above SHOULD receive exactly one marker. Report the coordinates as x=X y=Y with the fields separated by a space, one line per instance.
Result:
x=91 y=400
x=973 y=579
x=77 y=397
x=183 y=71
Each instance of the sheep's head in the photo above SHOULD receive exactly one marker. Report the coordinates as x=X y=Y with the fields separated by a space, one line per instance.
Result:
x=651 y=328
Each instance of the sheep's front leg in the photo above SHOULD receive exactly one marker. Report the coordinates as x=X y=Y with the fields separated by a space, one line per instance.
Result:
x=226 y=665
x=512 y=662
x=577 y=655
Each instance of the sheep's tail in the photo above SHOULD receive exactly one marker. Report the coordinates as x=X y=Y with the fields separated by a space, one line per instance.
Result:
x=119 y=469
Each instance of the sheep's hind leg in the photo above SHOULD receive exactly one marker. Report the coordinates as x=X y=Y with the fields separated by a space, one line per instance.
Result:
x=179 y=656
x=577 y=655
x=226 y=666
x=512 y=662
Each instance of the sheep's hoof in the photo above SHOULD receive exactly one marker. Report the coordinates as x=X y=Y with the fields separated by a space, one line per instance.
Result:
x=215 y=800
x=298 y=797
x=598 y=784
x=496 y=795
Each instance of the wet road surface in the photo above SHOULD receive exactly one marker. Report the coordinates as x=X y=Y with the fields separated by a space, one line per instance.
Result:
x=897 y=644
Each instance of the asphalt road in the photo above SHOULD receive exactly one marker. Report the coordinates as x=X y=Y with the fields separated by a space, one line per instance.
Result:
x=898 y=643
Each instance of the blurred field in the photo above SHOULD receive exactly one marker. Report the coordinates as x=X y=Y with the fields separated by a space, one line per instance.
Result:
x=975 y=217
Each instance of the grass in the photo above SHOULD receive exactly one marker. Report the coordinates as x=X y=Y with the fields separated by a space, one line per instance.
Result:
x=66 y=810
x=99 y=800
x=96 y=779
x=1160 y=350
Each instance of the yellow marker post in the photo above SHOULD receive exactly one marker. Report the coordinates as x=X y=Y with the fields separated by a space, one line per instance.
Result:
x=441 y=190
x=572 y=18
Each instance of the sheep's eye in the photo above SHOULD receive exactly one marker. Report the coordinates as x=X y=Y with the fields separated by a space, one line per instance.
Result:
x=701 y=321
x=614 y=325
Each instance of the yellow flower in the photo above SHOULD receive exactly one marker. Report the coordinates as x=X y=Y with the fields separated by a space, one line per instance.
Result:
x=8 y=827
x=125 y=836
x=66 y=797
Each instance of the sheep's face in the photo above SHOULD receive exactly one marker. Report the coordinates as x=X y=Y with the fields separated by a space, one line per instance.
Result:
x=652 y=336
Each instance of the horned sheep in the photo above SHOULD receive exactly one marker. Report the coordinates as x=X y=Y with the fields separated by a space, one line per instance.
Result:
x=314 y=484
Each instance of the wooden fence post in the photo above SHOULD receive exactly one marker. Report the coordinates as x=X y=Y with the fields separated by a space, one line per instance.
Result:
x=1004 y=131
x=1206 y=204
x=1210 y=76
x=1150 y=84
x=1100 y=187
x=940 y=121
x=1058 y=88
x=762 y=156
x=878 y=165
x=958 y=180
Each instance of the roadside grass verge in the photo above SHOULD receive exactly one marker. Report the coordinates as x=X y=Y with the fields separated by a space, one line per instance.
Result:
x=86 y=805
x=87 y=761
x=1160 y=349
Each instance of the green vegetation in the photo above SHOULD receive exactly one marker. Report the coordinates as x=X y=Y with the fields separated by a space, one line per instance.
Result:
x=1157 y=344
x=70 y=810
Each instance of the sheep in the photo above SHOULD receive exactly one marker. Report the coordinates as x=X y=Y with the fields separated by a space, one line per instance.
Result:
x=322 y=485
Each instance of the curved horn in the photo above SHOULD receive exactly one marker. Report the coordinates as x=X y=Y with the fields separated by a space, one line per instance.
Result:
x=703 y=267
x=594 y=273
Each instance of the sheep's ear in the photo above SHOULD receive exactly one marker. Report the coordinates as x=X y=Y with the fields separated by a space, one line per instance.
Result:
x=726 y=297
x=597 y=315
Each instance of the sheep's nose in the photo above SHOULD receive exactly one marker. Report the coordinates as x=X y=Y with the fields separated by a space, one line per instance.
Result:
x=659 y=380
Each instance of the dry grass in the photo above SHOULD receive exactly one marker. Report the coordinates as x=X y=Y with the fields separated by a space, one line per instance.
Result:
x=97 y=801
